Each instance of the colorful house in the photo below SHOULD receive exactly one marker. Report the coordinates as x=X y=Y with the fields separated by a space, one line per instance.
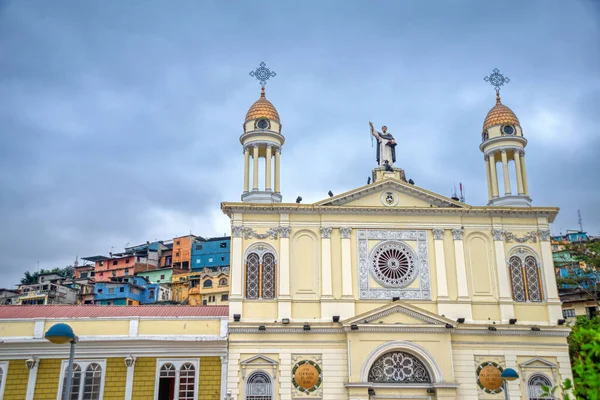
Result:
x=211 y=287
x=211 y=253
x=134 y=290
x=161 y=275
x=182 y=251
x=50 y=289
x=122 y=353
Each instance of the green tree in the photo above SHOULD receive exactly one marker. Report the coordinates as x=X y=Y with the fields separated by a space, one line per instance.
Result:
x=67 y=272
x=584 y=351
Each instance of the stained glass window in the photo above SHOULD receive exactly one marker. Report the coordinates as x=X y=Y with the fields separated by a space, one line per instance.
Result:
x=260 y=275
x=252 y=276
x=533 y=279
x=525 y=277
x=516 y=277
x=268 y=276
x=398 y=367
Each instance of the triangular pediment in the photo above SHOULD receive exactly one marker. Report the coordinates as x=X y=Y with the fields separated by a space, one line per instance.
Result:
x=399 y=313
x=259 y=360
x=538 y=362
x=391 y=193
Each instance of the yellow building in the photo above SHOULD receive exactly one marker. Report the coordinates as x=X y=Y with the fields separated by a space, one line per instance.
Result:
x=211 y=287
x=131 y=353
x=390 y=290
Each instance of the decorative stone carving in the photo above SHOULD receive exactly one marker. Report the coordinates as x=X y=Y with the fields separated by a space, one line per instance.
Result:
x=498 y=234
x=438 y=234
x=345 y=232
x=510 y=237
x=544 y=235
x=236 y=231
x=423 y=291
x=284 y=232
x=326 y=232
x=307 y=376
x=270 y=234
x=457 y=234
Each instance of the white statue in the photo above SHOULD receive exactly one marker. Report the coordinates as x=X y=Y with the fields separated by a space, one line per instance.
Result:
x=386 y=147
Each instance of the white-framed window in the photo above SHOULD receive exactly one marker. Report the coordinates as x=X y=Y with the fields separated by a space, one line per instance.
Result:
x=259 y=386
x=534 y=387
x=88 y=379
x=568 y=313
x=3 y=373
x=176 y=379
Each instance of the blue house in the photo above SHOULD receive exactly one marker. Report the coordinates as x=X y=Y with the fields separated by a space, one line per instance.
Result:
x=210 y=253
x=129 y=290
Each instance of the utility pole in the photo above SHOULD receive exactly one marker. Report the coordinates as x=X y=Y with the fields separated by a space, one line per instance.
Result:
x=580 y=221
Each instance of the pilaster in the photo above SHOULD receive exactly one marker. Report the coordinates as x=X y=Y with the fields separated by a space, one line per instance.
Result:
x=461 y=274
x=284 y=300
x=552 y=299
x=346 y=263
x=223 y=389
x=236 y=270
x=507 y=310
x=29 y=395
x=326 y=282
x=129 y=380
x=440 y=264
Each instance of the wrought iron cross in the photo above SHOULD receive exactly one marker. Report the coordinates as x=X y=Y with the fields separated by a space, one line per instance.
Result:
x=496 y=79
x=262 y=74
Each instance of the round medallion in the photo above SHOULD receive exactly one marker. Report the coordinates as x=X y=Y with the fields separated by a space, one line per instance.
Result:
x=393 y=264
x=307 y=376
x=389 y=198
x=489 y=377
x=262 y=124
x=508 y=130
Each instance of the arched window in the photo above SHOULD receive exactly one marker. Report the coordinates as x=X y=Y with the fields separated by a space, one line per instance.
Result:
x=260 y=275
x=398 y=367
x=87 y=382
x=207 y=283
x=525 y=277
x=223 y=282
x=187 y=376
x=534 y=387
x=259 y=387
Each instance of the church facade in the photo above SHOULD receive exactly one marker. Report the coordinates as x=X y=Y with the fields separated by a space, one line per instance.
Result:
x=391 y=291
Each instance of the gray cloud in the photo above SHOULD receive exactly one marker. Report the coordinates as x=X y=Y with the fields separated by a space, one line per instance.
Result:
x=120 y=122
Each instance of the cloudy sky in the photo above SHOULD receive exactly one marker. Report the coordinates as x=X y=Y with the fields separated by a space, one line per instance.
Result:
x=120 y=120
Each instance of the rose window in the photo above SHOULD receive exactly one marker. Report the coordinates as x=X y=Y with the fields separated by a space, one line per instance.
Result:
x=393 y=264
x=398 y=367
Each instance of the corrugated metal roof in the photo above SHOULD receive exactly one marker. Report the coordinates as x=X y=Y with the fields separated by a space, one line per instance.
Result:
x=96 y=311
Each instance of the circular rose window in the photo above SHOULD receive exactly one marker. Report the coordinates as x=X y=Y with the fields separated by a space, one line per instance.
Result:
x=393 y=264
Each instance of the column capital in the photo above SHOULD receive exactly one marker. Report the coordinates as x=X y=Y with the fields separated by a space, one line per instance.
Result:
x=457 y=234
x=486 y=157
x=544 y=235
x=223 y=359
x=236 y=231
x=438 y=233
x=503 y=151
x=498 y=234
x=345 y=232
x=326 y=232
x=284 y=232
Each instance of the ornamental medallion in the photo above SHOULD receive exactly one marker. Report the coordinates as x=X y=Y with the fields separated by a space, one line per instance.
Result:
x=307 y=376
x=488 y=377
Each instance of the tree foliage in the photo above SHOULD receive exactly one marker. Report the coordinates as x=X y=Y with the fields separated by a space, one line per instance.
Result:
x=67 y=272
x=584 y=351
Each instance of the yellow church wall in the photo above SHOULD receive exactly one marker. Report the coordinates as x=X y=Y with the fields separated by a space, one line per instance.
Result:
x=144 y=378
x=305 y=264
x=18 y=329
x=306 y=310
x=260 y=309
x=481 y=272
x=16 y=380
x=531 y=312
x=179 y=327
x=115 y=379
x=261 y=218
x=483 y=312
x=94 y=328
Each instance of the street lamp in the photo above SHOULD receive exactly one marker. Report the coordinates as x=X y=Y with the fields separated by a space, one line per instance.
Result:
x=61 y=334
x=508 y=374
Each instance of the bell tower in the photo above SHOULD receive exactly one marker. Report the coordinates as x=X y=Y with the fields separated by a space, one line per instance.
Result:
x=503 y=148
x=262 y=142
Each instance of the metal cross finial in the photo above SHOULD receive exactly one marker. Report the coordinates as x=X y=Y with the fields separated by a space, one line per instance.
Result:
x=262 y=74
x=496 y=79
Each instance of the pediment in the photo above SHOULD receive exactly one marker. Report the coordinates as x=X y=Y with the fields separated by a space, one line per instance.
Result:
x=399 y=313
x=403 y=195
x=539 y=363
x=259 y=360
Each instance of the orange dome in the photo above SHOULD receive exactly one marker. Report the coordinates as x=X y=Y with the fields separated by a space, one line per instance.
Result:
x=262 y=108
x=500 y=115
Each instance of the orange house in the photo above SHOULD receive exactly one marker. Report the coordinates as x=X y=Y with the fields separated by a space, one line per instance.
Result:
x=119 y=265
x=182 y=251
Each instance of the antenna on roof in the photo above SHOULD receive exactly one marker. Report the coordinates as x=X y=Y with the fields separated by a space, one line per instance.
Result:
x=580 y=221
x=454 y=195
x=462 y=193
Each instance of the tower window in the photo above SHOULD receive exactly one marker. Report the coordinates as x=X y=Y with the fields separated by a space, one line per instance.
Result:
x=508 y=130
x=525 y=277
x=260 y=276
x=262 y=124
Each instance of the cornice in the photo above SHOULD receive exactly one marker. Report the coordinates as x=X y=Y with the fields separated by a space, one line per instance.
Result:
x=500 y=139
x=229 y=208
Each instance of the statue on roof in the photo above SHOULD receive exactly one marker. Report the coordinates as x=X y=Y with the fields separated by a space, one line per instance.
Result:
x=386 y=146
